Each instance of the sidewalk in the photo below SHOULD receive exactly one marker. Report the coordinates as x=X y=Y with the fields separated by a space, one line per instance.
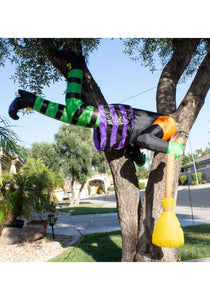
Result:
x=79 y=225
x=194 y=187
x=86 y=224
x=196 y=216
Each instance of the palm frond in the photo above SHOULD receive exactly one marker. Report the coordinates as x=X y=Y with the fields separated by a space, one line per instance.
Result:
x=8 y=138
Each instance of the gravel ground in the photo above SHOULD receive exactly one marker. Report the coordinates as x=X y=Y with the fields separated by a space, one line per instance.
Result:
x=37 y=251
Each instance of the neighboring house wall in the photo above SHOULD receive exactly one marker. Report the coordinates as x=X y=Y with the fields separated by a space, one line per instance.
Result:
x=9 y=162
x=205 y=174
x=202 y=165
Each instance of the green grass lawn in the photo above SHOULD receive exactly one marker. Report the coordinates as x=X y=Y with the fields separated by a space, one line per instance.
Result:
x=85 y=209
x=97 y=247
x=107 y=247
x=197 y=242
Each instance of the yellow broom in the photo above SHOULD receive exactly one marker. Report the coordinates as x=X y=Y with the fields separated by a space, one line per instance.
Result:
x=168 y=232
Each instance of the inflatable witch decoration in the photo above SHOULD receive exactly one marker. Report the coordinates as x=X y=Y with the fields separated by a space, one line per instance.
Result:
x=116 y=126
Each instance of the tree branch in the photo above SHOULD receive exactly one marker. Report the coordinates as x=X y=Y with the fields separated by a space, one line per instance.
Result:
x=166 y=90
x=195 y=96
x=91 y=93
x=50 y=51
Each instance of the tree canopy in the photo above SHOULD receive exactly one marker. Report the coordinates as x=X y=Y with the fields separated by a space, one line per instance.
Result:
x=48 y=154
x=75 y=149
x=34 y=70
x=148 y=50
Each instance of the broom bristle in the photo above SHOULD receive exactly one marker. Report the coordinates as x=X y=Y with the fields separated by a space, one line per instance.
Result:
x=167 y=231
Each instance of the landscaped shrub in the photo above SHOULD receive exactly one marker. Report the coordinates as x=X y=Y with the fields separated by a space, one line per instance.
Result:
x=183 y=180
x=89 y=190
x=103 y=188
x=141 y=185
x=193 y=182
x=199 y=176
x=111 y=189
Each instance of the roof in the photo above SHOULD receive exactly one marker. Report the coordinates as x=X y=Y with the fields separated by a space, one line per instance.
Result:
x=201 y=160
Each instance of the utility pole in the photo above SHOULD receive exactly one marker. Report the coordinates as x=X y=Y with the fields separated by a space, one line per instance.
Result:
x=193 y=162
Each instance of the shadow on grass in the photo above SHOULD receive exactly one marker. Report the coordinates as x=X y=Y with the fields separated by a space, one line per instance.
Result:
x=102 y=247
x=200 y=229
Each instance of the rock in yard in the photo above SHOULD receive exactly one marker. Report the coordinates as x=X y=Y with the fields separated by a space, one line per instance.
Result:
x=12 y=235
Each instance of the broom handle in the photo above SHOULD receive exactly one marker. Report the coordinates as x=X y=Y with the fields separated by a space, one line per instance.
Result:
x=170 y=166
x=170 y=162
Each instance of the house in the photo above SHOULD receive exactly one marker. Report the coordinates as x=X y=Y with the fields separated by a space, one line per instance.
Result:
x=98 y=180
x=202 y=165
x=203 y=162
x=9 y=162
x=91 y=187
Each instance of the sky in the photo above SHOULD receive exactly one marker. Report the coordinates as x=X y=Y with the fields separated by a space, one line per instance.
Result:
x=118 y=78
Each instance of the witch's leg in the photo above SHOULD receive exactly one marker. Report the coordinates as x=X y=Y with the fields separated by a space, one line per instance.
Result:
x=79 y=113
x=75 y=112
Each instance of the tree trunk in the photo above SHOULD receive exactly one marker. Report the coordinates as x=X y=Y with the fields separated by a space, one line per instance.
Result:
x=76 y=202
x=128 y=201
x=72 y=196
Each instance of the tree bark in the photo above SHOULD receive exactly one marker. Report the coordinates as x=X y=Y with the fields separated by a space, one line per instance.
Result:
x=166 y=90
x=194 y=99
x=72 y=195
x=128 y=201
x=79 y=194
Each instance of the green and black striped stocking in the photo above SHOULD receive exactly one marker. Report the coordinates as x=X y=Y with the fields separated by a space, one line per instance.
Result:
x=75 y=111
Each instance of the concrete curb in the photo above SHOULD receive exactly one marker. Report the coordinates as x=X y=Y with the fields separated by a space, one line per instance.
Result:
x=206 y=259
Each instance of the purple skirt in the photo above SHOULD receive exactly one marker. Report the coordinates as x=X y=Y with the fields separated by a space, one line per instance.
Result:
x=116 y=125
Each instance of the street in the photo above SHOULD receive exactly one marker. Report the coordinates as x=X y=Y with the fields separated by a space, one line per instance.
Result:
x=199 y=195
x=76 y=226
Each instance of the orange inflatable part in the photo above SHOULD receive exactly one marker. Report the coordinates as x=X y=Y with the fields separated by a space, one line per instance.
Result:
x=168 y=126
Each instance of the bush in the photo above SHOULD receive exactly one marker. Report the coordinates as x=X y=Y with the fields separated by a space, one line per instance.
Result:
x=103 y=188
x=2 y=214
x=183 y=180
x=111 y=189
x=17 y=193
x=89 y=190
x=199 y=176
x=54 y=198
x=26 y=193
x=194 y=182
x=141 y=185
